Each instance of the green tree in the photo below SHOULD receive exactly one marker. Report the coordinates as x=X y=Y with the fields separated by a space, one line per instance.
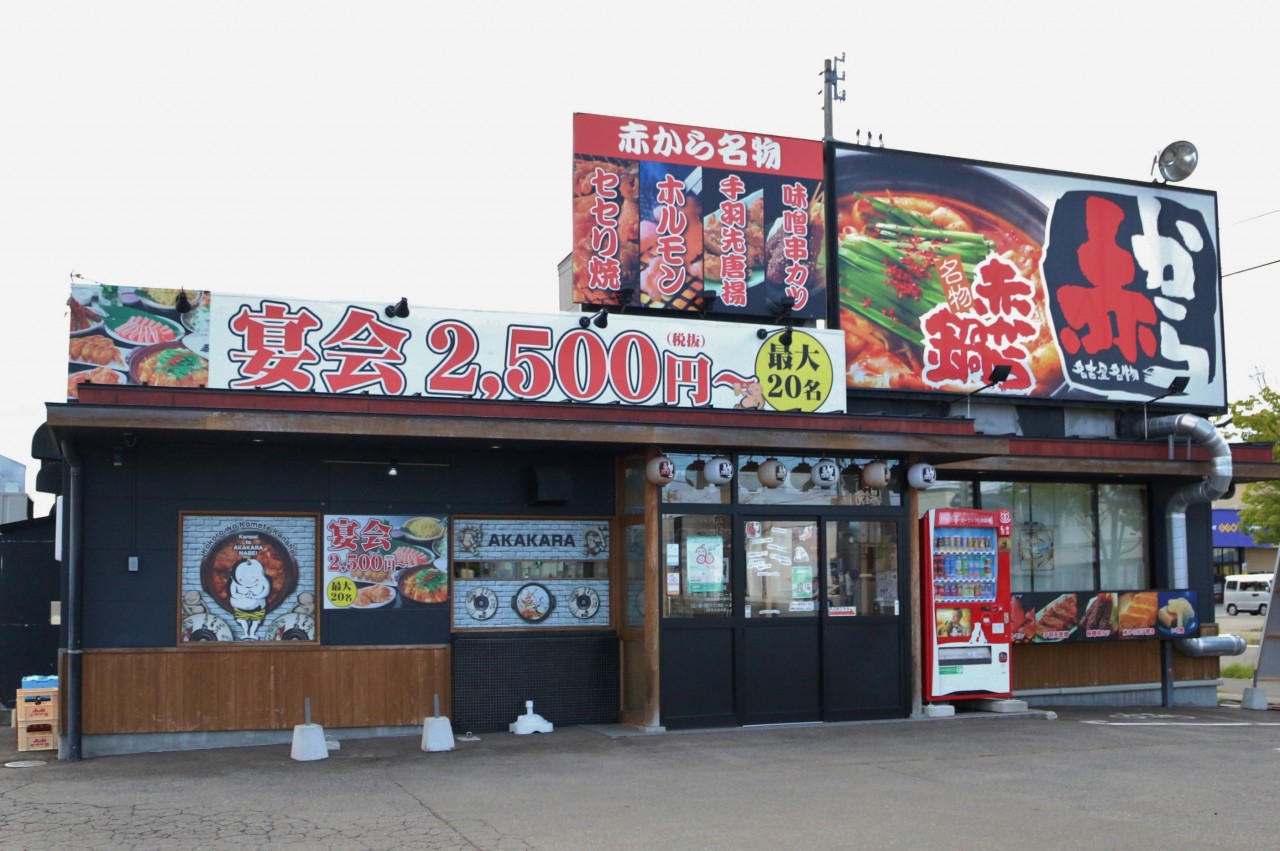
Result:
x=1257 y=420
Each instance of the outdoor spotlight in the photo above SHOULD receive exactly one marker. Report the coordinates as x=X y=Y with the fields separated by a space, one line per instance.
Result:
x=183 y=304
x=1176 y=161
x=400 y=309
x=1177 y=386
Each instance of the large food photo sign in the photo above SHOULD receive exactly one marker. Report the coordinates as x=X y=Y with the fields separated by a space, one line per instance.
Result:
x=678 y=217
x=381 y=561
x=1049 y=617
x=149 y=336
x=247 y=578
x=1088 y=289
x=175 y=339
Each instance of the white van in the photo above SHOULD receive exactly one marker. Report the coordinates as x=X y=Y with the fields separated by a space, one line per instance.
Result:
x=1247 y=592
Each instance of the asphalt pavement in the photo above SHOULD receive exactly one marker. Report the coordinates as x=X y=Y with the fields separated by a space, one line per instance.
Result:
x=1067 y=778
x=1049 y=778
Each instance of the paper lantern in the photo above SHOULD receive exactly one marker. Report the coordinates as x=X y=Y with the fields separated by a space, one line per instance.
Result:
x=921 y=476
x=772 y=473
x=719 y=470
x=660 y=470
x=825 y=473
x=875 y=475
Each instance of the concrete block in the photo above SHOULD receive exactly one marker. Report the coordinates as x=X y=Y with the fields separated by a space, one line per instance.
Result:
x=999 y=705
x=1254 y=698
x=308 y=743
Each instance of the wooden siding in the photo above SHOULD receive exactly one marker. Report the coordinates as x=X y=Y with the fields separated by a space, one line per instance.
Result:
x=1042 y=666
x=183 y=690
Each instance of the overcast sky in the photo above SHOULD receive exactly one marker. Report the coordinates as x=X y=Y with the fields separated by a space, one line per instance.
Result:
x=370 y=150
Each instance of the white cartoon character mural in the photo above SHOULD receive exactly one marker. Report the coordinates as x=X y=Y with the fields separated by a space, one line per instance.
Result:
x=248 y=592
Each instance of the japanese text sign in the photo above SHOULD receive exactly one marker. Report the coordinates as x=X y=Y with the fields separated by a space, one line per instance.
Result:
x=1088 y=289
x=676 y=217
x=382 y=561
x=252 y=343
x=332 y=347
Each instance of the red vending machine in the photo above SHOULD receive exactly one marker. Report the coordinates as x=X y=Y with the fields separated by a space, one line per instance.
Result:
x=966 y=595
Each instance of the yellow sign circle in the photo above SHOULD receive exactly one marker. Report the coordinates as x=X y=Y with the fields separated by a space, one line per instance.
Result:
x=341 y=591
x=795 y=377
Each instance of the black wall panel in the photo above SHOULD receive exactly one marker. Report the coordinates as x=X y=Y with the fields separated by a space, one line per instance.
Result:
x=429 y=625
x=571 y=679
x=29 y=583
x=134 y=510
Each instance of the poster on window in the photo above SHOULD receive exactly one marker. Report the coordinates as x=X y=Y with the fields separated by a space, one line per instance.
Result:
x=704 y=563
x=248 y=577
x=385 y=561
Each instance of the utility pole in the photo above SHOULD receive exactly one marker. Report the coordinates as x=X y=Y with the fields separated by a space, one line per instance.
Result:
x=829 y=93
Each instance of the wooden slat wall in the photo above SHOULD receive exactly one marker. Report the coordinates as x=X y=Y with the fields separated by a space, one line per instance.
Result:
x=177 y=690
x=1115 y=663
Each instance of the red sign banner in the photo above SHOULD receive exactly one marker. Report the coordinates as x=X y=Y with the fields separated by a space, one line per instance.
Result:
x=676 y=217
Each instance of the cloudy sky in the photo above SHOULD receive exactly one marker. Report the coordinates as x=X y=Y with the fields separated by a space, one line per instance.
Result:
x=379 y=149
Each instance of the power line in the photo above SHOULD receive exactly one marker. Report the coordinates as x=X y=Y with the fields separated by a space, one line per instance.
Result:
x=1250 y=269
x=1259 y=216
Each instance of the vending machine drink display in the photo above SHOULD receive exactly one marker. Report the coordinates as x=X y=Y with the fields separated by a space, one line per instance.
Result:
x=966 y=602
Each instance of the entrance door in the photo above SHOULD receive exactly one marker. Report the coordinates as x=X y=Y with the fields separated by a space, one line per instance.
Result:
x=864 y=647
x=779 y=659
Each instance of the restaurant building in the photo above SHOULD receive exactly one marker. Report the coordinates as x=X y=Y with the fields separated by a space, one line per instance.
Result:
x=693 y=504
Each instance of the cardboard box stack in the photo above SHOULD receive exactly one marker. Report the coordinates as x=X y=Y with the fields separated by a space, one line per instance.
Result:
x=36 y=714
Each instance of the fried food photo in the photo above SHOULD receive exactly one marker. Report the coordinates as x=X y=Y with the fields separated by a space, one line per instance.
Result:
x=373 y=595
x=95 y=349
x=1138 y=610
x=1058 y=616
x=98 y=375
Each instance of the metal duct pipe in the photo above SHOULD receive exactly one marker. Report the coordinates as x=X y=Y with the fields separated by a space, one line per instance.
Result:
x=1212 y=645
x=73 y=606
x=1206 y=490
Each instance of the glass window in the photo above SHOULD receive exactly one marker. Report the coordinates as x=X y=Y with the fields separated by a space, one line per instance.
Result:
x=782 y=568
x=1122 y=536
x=635 y=576
x=946 y=495
x=691 y=485
x=1073 y=537
x=862 y=568
x=798 y=488
x=696 y=555
x=633 y=485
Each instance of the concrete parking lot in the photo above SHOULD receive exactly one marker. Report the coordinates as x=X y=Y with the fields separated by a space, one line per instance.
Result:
x=1064 y=779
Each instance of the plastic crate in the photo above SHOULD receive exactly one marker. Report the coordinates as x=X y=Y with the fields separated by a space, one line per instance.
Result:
x=39 y=704
x=40 y=681
x=38 y=737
